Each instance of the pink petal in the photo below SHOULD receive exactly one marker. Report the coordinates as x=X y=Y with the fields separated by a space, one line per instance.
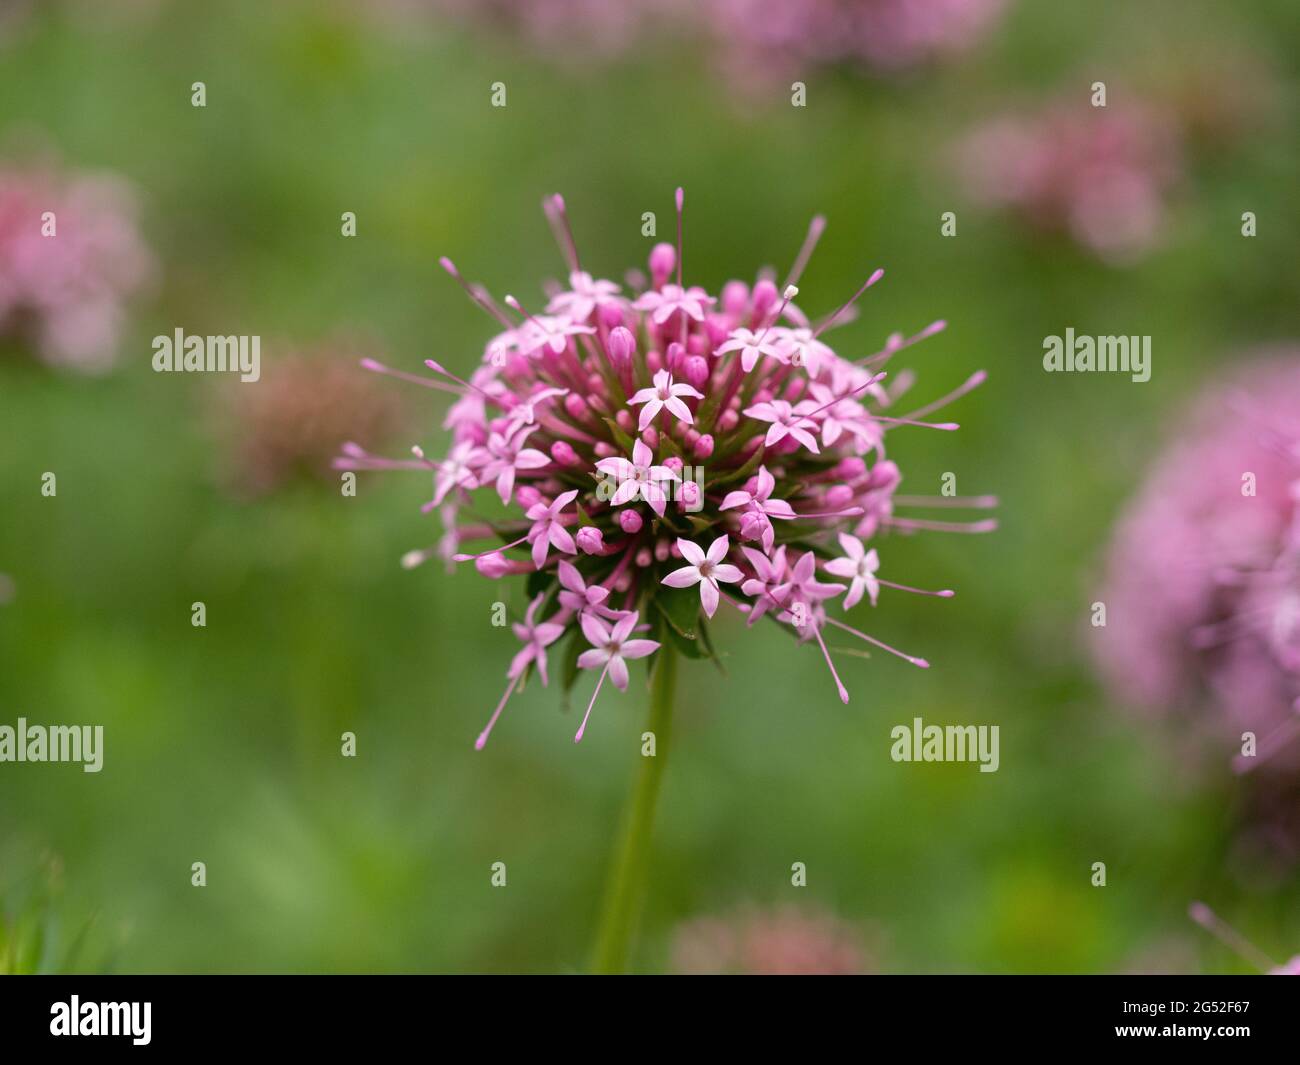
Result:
x=593 y=659
x=618 y=672
x=596 y=631
x=709 y=596
x=718 y=549
x=563 y=539
x=570 y=577
x=727 y=573
x=679 y=409
x=690 y=551
x=639 y=648
x=851 y=546
x=682 y=578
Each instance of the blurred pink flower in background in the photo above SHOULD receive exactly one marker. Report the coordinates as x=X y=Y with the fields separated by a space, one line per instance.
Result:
x=1202 y=591
x=1100 y=175
x=759 y=42
x=763 y=42
x=783 y=941
x=293 y=421
x=71 y=255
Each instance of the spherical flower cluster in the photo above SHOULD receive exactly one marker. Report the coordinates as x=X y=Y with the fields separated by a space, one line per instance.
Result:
x=1203 y=587
x=70 y=256
x=786 y=941
x=664 y=451
x=1100 y=175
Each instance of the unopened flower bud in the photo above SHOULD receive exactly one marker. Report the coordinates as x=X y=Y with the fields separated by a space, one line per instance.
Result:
x=766 y=297
x=494 y=565
x=622 y=346
x=575 y=407
x=697 y=371
x=563 y=453
x=629 y=521
x=663 y=261
x=704 y=446
x=590 y=540
x=527 y=495
x=735 y=298
x=849 y=469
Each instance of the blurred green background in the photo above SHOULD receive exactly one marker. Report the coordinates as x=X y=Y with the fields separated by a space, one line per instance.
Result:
x=222 y=743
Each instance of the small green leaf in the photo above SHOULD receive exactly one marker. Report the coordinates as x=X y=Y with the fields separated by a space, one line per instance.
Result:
x=621 y=438
x=681 y=607
x=539 y=581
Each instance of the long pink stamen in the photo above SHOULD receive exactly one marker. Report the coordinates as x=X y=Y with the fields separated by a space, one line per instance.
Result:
x=476 y=296
x=553 y=208
x=680 y=198
x=483 y=736
x=945 y=593
x=438 y=367
x=973 y=502
x=494 y=551
x=1226 y=934
x=850 y=512
x=947 y=427
x=974 y=381
x=847 y=395
x=921 y=662
x=890 y=350
x=925 y=524
x=583 y=727
x=789 y=293
x=815 y=230
x=844 y=694
x=415 y=379
x=865 y=285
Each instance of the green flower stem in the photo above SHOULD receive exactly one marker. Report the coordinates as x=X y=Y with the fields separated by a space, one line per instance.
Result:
x=627 y=881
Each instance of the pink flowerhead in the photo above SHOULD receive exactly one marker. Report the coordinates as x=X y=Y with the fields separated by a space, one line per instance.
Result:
x=575 y=417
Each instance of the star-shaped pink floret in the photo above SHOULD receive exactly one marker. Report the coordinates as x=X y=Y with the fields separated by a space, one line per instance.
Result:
x=551 y=332
x=579 y=596
x=665 y=395
x=839 y=414
x=583 y=297
x=509 y=455
x=785 y=422
x=706 y=570
x=803 y=585
x=759 y=501
x=858 y=565
x=752 y=346
x=525 y=411
x=639 y=479
x=801 y=348
x=692 y=302
x=769 y=575
x=610 y=646
x=536 y=639
x=548 y=529
x=457 y=470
